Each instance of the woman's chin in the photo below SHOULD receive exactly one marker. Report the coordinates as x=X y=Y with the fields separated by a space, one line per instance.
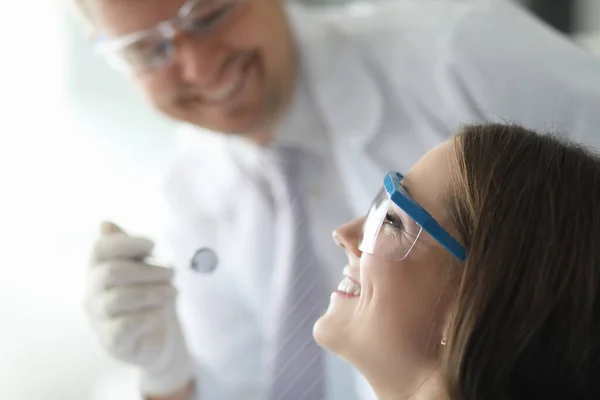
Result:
x=330 y=332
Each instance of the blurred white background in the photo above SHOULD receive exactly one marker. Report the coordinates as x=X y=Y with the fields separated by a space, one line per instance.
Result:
x=77 y=145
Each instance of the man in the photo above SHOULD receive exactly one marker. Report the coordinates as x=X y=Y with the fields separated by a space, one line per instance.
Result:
x=356 y=94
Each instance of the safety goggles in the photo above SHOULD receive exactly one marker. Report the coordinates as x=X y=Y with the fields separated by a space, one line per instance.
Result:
x=395 y=222
x=154 y=48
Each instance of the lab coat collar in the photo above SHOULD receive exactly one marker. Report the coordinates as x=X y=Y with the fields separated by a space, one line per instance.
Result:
x=345 y=92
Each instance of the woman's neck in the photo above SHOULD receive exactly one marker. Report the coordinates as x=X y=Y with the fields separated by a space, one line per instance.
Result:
x=429 y=387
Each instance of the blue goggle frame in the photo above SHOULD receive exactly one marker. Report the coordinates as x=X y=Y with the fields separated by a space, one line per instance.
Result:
x=399 y=196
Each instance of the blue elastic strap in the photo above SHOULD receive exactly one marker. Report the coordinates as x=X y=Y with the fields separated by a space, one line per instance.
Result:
x=402 y=199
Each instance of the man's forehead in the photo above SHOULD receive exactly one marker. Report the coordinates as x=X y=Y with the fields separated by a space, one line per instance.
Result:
x=120 y=17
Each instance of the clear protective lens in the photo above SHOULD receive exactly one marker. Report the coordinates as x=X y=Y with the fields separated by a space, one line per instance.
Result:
x=373 y=222
x=154 y=48
x=388 y=232
x=152 y=51
x=201 y=17
x=140 y=51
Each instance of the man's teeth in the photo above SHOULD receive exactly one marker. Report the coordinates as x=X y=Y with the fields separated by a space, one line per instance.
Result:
x=348 y=286
x=225 y=91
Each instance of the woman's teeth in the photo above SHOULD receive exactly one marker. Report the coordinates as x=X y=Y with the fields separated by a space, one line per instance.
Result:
x=348 y=286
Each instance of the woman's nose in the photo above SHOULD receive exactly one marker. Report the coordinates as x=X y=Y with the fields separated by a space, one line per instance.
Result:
x=349 y=235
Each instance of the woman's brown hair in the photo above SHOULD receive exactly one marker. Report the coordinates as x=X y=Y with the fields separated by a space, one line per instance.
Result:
x=527 y=319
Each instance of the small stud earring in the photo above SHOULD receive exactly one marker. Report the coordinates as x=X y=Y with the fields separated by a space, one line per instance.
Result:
x=444 y=341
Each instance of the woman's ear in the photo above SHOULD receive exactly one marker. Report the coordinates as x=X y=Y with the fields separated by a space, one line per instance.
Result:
x=442 y=336
x=448 y=310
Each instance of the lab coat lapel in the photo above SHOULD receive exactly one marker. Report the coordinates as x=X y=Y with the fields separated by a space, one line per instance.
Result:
x=250 y=226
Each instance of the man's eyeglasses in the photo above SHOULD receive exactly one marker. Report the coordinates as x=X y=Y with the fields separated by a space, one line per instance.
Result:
x=154 y=48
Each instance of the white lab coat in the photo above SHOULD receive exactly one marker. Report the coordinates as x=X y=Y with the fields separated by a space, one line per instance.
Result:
x=387 y=84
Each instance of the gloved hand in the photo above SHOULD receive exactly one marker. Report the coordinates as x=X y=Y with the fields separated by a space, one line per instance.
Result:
x=131 y=305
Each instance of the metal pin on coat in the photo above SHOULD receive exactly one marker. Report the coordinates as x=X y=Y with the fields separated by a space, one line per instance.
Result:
x=204 y=261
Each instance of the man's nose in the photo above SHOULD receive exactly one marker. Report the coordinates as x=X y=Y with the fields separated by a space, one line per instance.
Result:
x=199 y=59
x=348 y=236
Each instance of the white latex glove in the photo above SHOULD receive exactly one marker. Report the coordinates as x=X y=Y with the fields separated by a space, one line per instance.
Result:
x=131 y=305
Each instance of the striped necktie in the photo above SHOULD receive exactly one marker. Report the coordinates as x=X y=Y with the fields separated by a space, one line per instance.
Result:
x=299 y=294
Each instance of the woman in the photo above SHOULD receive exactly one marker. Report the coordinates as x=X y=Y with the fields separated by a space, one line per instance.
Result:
x=497 y=296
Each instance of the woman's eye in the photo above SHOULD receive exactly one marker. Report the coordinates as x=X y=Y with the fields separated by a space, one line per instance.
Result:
x=393 y=221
